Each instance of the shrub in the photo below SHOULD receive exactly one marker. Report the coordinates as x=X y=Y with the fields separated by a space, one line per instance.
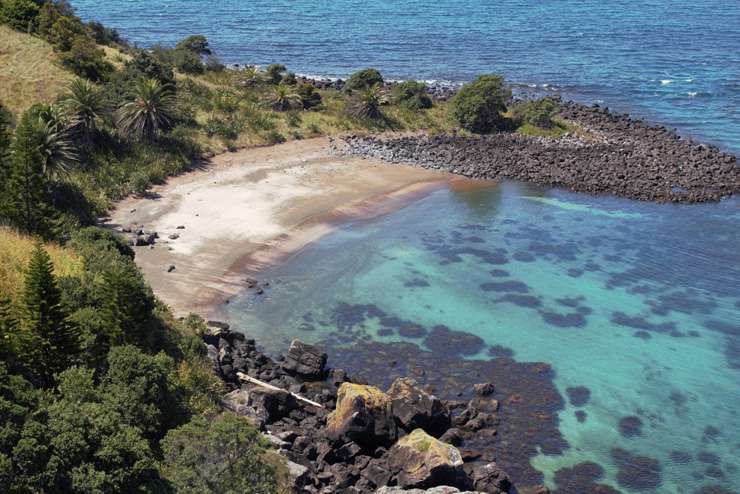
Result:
x=64 y=31
x=367 y=103
x=142 y=64
x=86 y=60
x=19 y=14
x=274 y=137
x=478 y=105
x=538 y=113
x=310 y=97
x=412 y=95
x=363 y=79
x=187 y=62
x=274 y=73
x=105 y=35
x=194 y=457
x=289 y=79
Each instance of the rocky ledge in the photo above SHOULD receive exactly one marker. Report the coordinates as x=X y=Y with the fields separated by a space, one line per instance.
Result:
x=614 y=154
x=341 y=436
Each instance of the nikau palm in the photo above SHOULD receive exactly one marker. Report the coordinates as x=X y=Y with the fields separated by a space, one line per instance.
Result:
x=284 y=98
x=86 y=107
x=57 y=150
x=368 y=103
x=150 y=113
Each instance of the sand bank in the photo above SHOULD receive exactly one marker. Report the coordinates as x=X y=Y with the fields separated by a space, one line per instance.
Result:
x=248 y=209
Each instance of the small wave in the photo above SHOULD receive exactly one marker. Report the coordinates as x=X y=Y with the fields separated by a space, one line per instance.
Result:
x=690 y=79
x=665 y=82
x=692 y=94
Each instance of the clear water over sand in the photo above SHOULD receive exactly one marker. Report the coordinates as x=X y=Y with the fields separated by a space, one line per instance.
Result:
x=636 y=307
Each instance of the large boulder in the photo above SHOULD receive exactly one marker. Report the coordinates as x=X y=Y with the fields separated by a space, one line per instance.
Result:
x=271 y=404
x=442 y=489
x=490 y=478
x=420 y=460
x=414 y=408
x=363 y=415
x=305 y=360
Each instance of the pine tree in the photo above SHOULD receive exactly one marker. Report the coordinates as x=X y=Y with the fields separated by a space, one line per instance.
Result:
x=55 y=340
x=4 y=160
x=8 y=331
x=27 y=198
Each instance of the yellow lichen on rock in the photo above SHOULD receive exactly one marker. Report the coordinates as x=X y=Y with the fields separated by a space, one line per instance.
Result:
x=372 y=397
x=420 y=460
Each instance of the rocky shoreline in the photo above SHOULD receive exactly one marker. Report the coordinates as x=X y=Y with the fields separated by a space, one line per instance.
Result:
x=356 y=438
x=614 y=154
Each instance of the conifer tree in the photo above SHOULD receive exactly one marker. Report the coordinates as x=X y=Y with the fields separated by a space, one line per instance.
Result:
x=8 y=331
x=28 y=202
x=4 y=160
x=55 y=340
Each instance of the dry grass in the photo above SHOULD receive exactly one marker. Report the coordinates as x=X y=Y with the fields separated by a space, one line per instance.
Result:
x=15 y=252
x=29 y=72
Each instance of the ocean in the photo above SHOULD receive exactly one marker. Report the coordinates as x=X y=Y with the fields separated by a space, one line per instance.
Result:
x=673 y=61
x=634 y=308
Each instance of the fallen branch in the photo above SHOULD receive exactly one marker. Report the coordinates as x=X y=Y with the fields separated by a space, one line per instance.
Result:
x=253 y=380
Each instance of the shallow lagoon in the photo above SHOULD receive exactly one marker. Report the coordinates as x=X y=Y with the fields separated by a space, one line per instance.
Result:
x=635 y=306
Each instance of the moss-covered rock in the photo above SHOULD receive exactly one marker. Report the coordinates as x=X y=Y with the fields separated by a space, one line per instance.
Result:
x=420 y=460
x=363 y=415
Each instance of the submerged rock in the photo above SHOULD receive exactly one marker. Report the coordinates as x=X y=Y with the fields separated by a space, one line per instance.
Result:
x=420 y=460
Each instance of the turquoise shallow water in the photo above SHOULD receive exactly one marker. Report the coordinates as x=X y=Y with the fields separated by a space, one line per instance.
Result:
x=636 y=307
x=674 y=61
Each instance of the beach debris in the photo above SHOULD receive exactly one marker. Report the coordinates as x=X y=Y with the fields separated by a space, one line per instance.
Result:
x=171 y=268
x=173 y=236
x=249 y=379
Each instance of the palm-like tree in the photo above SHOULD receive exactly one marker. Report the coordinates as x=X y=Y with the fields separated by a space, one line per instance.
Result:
x=150 y=113
x=86 y=107
x=368 y=102
x=284 y=98
x=58 y=153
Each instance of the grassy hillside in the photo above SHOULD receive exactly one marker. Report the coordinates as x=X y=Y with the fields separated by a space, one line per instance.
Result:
x=29 y=72
x=15 y=252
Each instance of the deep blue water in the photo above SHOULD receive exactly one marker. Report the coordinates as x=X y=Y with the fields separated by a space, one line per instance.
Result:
x=674 y=61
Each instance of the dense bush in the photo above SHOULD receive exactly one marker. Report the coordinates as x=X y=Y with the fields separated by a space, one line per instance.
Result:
x=194 y=454
x=85 y=59
x=363 y=79
x=19 y=14
x=538 y=112
x=310 y=97
x=479 y=105
x=274 y=73
x=412 y=95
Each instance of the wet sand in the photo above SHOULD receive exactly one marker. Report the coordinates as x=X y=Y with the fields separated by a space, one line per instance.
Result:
x=248 y=209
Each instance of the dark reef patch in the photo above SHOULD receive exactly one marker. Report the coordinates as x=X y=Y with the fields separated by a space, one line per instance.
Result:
x=444 y=341
x=575 y=273
x=498 y=351
x=411 y=330
x=578 y=395
x=527 y=301
x=639 y=322
x=630 y=426
x=686 y=302
x=710 y=435
x=708 y=457
x=416 y=283
x=523 y=256
x=636 y=471
x=581 y=416
x=714 y=489
x=581 y=479
x=505 y=286
x=499 y=273
x=568 y=320
x=643 y=335
x=680 y=457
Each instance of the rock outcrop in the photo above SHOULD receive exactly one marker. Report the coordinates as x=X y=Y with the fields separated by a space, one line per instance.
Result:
x=305 y=360
x=363 y=415
x=420 y=460
x=414 y=408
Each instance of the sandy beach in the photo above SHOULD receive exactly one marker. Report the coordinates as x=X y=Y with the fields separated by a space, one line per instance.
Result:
x=250 y=208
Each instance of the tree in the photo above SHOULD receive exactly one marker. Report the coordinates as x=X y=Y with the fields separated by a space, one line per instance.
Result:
x=8 y=331
x=478 y=105
x=218 y=456
x=284 y=98
x=274 y=73
x=367 y=103
x=86 y=59
x=363 y=79
x=57 y=151
x=412 y=95
x=27 y=199
x=19 y=14
x=538 y=113
x=150 y=113
x=310 y=98
x=4 y=158
x=87 y=107
x=197 y=44
x=55 y=340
